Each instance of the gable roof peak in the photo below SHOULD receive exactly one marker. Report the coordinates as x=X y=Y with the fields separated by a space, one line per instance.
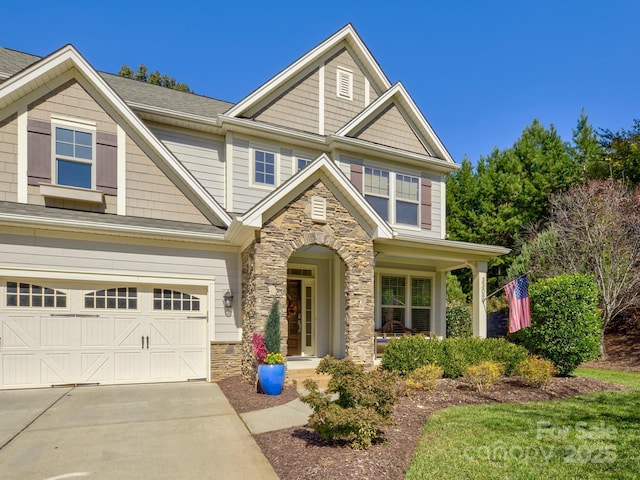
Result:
x=346 y=33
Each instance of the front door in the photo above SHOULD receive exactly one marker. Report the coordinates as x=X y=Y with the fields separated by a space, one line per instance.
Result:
x=294 y=317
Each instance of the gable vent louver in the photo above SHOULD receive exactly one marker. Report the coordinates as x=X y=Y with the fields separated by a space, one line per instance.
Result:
x=318 y=209
x=344 y=80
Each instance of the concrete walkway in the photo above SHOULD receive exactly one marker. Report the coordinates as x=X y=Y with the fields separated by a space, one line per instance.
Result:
x=159 y=431
x=292 y=414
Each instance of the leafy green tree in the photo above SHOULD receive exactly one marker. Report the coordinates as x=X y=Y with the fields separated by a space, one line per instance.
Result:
x=154 y=78
x=622 y=153
x=509 y=192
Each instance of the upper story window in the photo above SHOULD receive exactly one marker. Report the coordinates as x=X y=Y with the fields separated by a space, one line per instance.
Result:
x=395 y=196
x=264 y=168
x=407 y=199
x=74 y=158
x=302 y=163
x=376 y=190
x=344 y=82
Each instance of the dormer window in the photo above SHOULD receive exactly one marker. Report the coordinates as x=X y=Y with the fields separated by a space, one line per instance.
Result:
x=74 y=157
x=344 y=82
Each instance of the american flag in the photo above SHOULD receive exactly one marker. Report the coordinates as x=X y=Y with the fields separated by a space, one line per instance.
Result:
x=518 y=296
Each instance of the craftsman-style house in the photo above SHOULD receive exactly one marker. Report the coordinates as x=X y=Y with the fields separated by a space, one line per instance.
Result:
x=145 y=232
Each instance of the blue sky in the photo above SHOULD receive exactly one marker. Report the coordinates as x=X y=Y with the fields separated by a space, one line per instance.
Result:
x=480 y=71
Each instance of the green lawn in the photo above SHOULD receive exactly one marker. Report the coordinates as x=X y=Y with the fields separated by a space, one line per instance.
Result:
x=591 y=436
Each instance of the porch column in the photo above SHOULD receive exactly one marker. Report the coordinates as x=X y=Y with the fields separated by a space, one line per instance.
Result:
x=440 y=310
x=479 y=270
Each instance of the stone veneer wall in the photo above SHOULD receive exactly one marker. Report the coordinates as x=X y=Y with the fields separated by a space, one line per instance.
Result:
x=264 y=271
x=226 y=360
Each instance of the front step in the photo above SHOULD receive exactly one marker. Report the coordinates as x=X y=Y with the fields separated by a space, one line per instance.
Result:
x=296 y=377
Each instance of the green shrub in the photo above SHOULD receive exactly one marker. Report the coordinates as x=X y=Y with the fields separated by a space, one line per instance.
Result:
x=459 y=322
x=535 y=371
x=454 y=355
x=483 y=375
x=403 y=355
x=423 y=378
x=565 y=321
x=364 y=402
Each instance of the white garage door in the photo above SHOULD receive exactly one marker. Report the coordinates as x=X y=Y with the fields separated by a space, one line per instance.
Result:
x=57 y=334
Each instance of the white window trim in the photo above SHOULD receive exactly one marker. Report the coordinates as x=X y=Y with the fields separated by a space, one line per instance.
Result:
x=342 y=72
x=408 y=275
x=252 y=161
x=79 y=125
x=296 y=158
x=392 y=197
x=417 y=202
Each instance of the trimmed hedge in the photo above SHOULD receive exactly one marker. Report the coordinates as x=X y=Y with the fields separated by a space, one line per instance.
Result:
x=403 y=355
x=565 y=321
x=459 y=322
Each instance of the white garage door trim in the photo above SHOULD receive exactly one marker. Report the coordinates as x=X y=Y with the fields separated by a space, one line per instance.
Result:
x=76 y=343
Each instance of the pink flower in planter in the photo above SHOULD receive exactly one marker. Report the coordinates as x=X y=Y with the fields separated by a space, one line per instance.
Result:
x=258 y=346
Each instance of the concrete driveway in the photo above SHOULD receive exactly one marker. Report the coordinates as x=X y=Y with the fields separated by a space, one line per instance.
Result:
x=173 y=430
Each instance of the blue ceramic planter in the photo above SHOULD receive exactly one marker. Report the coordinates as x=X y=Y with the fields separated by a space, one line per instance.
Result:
x=271 y=378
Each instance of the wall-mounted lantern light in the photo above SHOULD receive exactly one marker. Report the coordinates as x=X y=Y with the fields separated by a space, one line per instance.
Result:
x=228 y=299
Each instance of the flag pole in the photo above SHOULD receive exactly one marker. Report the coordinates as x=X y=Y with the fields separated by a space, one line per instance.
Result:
x=502 y=287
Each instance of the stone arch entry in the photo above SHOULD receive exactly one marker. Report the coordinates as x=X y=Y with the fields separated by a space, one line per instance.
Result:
x=264 y=271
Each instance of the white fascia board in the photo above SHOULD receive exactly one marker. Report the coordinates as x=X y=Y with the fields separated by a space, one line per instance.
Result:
x=389 y=153
x=274 y=132
x=108 y=228
x=451 y=246
x=347 y=33
x=68 y=57
x=322 y=165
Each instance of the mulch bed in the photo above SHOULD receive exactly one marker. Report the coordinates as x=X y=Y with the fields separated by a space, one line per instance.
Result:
x=299 y=453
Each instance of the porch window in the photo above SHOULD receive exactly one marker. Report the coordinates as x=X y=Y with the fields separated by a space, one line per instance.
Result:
x=376 y=190
x=393 y=299
x=406 y=301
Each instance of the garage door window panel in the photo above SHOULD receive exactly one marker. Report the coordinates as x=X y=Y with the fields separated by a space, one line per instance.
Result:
x=174 y=300
x=27 y=295
x=120 y=298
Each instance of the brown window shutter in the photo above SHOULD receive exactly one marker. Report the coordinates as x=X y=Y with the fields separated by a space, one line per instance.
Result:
x=425 y=203
x=356 y=176
x=107 y=163
x=38 y=151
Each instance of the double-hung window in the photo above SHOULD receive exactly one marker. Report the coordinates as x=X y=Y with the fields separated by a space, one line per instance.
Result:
x=407 y=199
x=75 y=154
x=406 y=300
x=395 y=196
x=376 y=190
x=264 y=168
